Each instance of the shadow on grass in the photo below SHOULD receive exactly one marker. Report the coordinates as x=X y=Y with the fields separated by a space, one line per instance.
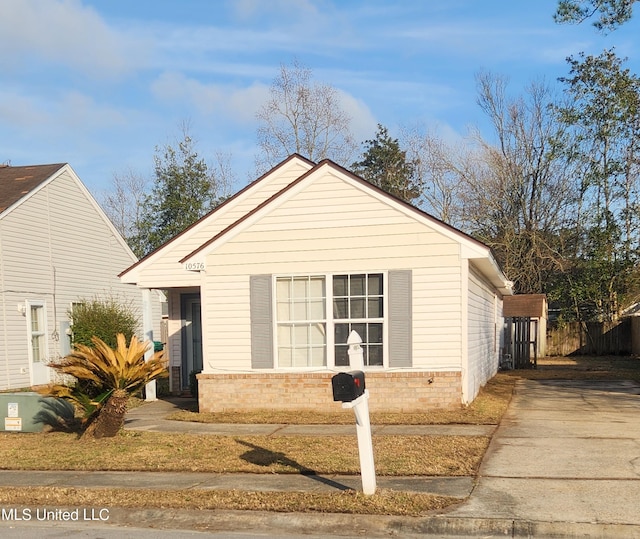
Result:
x=260 y=456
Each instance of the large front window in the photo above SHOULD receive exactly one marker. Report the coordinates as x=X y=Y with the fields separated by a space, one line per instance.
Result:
x=315 y=314
x=358 y=305
x=301 y=316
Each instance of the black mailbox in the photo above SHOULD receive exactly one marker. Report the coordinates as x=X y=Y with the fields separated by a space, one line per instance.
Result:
x=347 y=386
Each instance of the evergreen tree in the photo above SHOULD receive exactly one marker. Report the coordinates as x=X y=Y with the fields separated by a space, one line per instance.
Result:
x=183 y=191
x=385 y=165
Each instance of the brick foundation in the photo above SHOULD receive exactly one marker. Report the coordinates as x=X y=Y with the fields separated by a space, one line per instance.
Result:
x=389 y=391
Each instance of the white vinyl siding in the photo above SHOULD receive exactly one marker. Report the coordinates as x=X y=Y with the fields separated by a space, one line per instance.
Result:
x=350 y=232
x=55 y=245
x=483 y=333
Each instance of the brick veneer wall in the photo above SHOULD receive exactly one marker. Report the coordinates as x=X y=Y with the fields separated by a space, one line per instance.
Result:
x=389 y=391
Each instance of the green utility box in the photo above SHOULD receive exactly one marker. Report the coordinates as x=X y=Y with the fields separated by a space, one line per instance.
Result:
x=30 y=412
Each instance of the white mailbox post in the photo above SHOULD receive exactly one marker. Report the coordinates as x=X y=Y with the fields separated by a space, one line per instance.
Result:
x=363 y=425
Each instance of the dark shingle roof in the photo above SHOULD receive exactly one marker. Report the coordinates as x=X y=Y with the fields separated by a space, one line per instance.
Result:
x=16 y=182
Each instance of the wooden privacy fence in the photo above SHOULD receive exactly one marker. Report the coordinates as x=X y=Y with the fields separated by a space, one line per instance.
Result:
x=589 y=338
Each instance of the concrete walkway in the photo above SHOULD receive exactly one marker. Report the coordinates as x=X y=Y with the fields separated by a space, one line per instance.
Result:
x=564 y=462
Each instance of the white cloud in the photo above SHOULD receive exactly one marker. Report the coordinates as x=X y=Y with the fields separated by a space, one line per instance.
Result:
x=66 y=33
x=239 y=104
x=62 y=115
x=363 y=123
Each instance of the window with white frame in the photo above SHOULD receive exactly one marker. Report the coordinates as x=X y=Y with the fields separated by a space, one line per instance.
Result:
x=301 y=321
x=358 y=304
x=37 y=332
x=315 y=314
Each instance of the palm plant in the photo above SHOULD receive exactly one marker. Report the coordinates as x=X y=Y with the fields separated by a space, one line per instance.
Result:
x=105 y=378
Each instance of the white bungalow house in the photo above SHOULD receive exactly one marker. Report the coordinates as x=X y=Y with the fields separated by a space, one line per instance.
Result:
x=264 y=290
x=57 y=247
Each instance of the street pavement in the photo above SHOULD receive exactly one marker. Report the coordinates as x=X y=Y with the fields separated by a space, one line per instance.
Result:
x=564 y=462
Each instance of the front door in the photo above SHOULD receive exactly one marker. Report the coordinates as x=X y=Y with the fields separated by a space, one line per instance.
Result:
x=191 y=337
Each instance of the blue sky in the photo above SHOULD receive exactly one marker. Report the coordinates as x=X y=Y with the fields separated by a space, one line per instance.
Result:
x=100 y=83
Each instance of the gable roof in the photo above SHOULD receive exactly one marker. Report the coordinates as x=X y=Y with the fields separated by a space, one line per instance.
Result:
x=192 y=230
x=21 y=182
x=357 y=179
x=17 y=182
x=473 y=249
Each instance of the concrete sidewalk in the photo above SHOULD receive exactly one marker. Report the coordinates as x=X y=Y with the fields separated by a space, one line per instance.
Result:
x=564 y=462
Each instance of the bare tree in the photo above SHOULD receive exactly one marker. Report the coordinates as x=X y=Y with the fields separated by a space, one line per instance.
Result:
x=124 y=202
x=521 y=199
x=303 y=117
x=438 y=167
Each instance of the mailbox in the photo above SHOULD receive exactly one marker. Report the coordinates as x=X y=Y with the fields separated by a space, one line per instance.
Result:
x=347 y=386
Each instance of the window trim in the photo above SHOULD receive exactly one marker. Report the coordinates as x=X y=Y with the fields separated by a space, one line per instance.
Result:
x=43 y=332
x=330 y=321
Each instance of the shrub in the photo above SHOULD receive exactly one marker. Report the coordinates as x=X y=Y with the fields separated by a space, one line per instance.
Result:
x=103 y=318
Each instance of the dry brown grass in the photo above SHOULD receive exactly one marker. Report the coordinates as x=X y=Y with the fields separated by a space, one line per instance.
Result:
x=384 y=502
x=153 y=451
x=395 y=455
x=583 y=367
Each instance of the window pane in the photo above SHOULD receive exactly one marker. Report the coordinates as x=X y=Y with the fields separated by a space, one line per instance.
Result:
x=341 y=308
x=300 y=336
x=318 y=357
x=317 y=334
x=375 y=308
x=374 y=355
x=300 y=310
x=300 y=288
x=316 y=287
x=342 y=357
x=375 y=284
x=283 y=311
x=357 y=285
x=316 y=310
x=36 y=347
x=340 y=285
x=284 y=357
x=300 y=357
x=341 y=333
x=375 y=333
x=284 y=336
x=282 y=289
x=361 y=329
x=35 y=322
x=357 y=308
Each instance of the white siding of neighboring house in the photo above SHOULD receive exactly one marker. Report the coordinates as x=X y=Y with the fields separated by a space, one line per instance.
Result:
x=56 y=247
x=331 y=226
x=484 y=331
x=167 y=269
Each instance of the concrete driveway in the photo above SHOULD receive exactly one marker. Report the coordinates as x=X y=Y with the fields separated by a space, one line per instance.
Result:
x=567 y=451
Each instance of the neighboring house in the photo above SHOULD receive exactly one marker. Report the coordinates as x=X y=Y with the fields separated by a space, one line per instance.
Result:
x=57 y=247
x=264 y=290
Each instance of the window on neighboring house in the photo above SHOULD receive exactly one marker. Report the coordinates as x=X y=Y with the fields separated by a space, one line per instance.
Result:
x=301 y=321
x=37 y=332
x=358 y=305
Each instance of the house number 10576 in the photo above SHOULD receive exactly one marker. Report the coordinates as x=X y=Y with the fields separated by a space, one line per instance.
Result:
x=194 y=266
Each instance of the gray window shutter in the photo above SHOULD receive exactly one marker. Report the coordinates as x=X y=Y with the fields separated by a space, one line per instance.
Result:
x=261 y=322
x=400 y=318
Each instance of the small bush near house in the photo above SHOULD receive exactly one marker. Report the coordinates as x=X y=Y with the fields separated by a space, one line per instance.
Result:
x=103 y=318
